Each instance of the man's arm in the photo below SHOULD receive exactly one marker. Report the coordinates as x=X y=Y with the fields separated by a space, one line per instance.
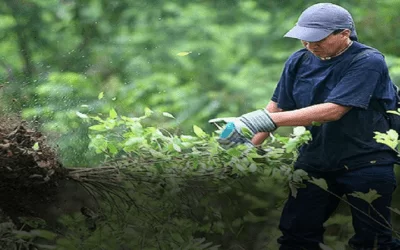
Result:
x=324 y=112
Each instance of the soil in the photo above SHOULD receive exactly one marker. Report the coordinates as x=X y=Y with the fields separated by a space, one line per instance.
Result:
x=33 y=183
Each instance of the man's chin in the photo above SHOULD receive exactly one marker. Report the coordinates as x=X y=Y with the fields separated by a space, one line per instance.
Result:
x=319 y=54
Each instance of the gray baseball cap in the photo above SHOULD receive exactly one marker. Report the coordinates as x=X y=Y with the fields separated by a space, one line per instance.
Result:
x=320 y=20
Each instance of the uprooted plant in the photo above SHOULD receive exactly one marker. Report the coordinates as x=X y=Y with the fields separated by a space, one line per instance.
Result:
x=162 y=188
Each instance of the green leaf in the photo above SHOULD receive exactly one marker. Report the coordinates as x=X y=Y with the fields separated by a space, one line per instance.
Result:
x=291 y=145
x=297 y=131
x=199 y=132
x=177 y=237
x=81 y=115
x=324 y=247
x=320 y=183
x=234 y=152
x=276 y=153
x=390 y=138
x=317 y=124
x=299 y=175
x=100 y=96
x=393 y=112
x=134 y=140
x=247 y=133
x=157 y=154
x=44 y=234
x=168 y=115
x=148 y=112
x=176 y=147
x=99 y=127
x=253 y=167
x=393 y=134
x=112 y=148
x=35 y=146
x=188 y=138
x=183 y=53
x=22 y=234
x=368 y=197
x=113 y=114
x=293 y=189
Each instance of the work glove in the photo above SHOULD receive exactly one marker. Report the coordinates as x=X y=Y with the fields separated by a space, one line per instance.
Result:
x=240 y=130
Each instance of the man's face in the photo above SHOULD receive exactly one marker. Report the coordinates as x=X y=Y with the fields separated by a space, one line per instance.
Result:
x=329 y=46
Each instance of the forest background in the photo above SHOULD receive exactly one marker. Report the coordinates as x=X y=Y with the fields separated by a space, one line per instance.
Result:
x=195 y=60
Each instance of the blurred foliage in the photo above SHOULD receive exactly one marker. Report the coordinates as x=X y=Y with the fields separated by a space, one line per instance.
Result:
x=196 y=60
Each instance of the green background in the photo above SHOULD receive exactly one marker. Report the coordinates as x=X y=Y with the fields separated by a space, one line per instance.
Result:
x=196 y=60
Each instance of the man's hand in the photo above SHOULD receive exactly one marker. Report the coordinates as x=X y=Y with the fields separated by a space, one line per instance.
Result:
x=259 y=138
x=240 y=130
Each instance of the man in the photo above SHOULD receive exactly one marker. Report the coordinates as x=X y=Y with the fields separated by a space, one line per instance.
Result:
x=337 y=82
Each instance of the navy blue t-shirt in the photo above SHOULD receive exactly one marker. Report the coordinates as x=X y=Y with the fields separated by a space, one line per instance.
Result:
x=347 y=80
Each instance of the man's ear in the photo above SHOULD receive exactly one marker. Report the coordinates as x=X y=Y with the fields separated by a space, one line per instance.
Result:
x=346 y=33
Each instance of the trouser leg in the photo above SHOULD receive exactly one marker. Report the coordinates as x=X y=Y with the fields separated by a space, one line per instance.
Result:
x=371 y=223
x=303 y=217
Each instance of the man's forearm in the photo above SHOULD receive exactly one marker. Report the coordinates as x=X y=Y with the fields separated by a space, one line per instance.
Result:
x=321 y=113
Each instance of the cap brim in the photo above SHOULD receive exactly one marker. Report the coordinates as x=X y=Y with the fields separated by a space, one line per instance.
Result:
x=308 y=34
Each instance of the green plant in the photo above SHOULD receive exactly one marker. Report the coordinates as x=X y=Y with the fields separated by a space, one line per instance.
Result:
x=184 y=190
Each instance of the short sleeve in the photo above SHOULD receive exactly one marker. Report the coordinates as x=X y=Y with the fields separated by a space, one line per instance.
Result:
x=359 y=82
x=283 y=94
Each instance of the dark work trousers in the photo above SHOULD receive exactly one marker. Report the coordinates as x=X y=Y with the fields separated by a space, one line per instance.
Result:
x=303 y=217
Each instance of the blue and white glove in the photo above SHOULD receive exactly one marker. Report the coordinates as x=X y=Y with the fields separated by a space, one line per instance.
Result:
x=239 y=130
